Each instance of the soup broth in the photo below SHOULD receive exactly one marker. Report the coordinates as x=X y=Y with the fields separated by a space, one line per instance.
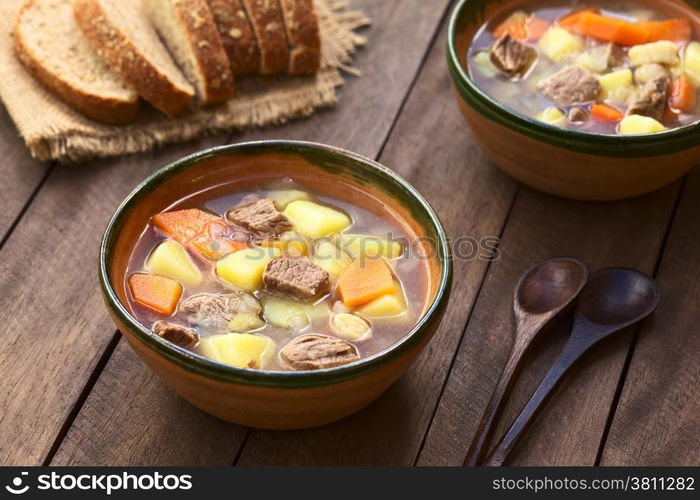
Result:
x=322 y=283
x=600 y=67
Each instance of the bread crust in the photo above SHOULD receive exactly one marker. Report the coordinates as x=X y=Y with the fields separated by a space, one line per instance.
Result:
x=99 y=108
x=303 y=35
x=203 y=34
x=237 y=36
x=124 y=57
x=268 y=25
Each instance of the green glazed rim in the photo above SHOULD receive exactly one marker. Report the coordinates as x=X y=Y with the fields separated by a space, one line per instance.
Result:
x=333 y=160
x=628 y=146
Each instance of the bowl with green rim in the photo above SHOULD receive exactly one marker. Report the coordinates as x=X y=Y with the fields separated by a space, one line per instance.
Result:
x=277 y=399
x=569 y=163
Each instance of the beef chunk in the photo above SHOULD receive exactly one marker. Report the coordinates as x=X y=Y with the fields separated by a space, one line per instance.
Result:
x=650 y=99
x=577 y=115
x=315 y=352
x=570 y=86
x=178 y=335
x=512 y=56
x=296 y=278
x=260 y=217
x=213 y=313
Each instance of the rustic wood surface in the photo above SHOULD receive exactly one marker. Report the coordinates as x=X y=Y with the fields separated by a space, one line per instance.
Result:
x=74 y=392
x=21 y=176
x=657 y=420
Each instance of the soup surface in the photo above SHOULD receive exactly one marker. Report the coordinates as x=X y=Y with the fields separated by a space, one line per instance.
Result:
x=601 y=67
x=277 y=278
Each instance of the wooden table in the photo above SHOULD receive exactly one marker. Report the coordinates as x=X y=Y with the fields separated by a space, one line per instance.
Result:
x=74 y=393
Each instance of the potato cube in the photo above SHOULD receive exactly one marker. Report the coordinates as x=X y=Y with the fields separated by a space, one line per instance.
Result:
x=393 y=304
x=558 y=44
x=553 y=116
x=285 y=314
x=679 y=70
x=170 y=259
x=596 y=59
x=618 y=86
x=370 y=246
x=289 y=243
x=242 y=350
x=244 y=269
x=691 y=62
x=245 y=322
x=316 y=312
x=331 y=258
x=315 y=221
x=482 y=62
x=663 y=52
x=282 y=198
x=637 y=124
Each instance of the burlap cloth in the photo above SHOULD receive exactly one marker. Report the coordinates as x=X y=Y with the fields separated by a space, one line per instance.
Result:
x=52 y=131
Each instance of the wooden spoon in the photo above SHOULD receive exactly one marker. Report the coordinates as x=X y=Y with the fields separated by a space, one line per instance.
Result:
x=612 y=300
x=543 y=292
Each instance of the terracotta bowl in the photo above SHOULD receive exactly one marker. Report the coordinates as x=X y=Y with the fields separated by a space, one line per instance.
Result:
x=269 y=399
x=568 y=163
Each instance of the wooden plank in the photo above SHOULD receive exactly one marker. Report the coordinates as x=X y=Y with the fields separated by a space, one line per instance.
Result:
x=628 y=233
x=20 y=173
x=387 y=77
x=390 y=431
x=658 y=417
x=136 y=430
x=55 y=326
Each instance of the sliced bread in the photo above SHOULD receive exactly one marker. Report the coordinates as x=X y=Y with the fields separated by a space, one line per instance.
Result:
x=268 y=25
x=303 y=36
x=189 y=30
x=122 y=35
x=237 y=35
x=49 y=43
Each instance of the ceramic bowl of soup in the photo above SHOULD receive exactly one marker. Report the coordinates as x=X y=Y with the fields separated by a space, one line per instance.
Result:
x=588 y=100
x=279 y=285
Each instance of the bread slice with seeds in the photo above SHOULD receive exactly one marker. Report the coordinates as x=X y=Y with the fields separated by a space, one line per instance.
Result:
x=50 y=45
x=266 y=17
x=237 y=35
x=189 y=30
x=303 y=36
x=120 y=32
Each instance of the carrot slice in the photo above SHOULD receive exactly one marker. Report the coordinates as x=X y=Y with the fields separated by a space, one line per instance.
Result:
x=574 y=18
x=609 y=29
x=669 y=116
x=203 y=232
x=607 y=114
x=522 y=26
x=682 y=94
x=156 y=292
x=535 y=27
x=212 y=242
x=675 y=30
x=364 y=280
x=514 y=25
x=183 y=225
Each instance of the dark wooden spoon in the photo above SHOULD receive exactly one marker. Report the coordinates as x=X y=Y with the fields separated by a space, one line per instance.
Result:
x=612 y=300
x=543 y=292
